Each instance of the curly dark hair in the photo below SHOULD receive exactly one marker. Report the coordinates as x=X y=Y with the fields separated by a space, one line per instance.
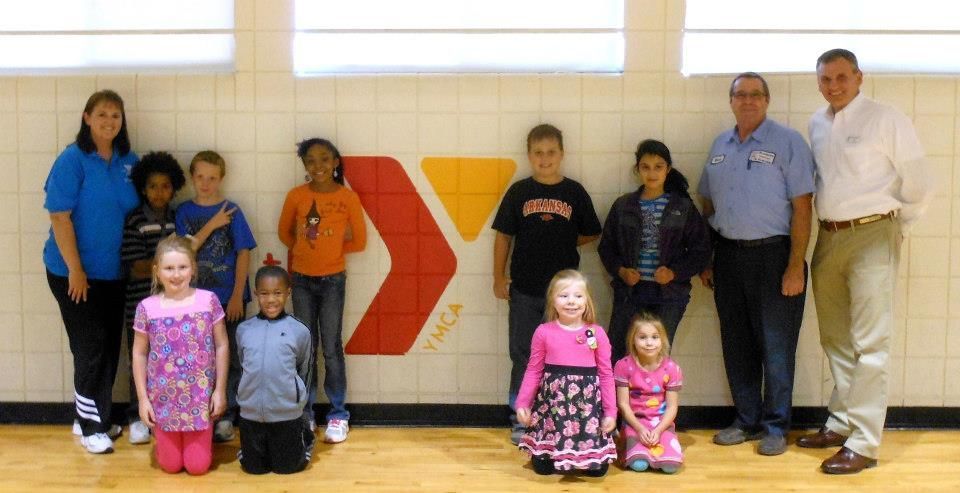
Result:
x=153 y=163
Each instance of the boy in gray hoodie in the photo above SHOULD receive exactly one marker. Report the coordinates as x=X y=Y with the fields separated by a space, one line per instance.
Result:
x=274 y=350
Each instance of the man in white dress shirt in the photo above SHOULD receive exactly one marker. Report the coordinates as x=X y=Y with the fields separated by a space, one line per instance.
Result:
x=872 y=184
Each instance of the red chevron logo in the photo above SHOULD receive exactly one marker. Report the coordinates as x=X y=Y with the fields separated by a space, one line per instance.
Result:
x=422 y=262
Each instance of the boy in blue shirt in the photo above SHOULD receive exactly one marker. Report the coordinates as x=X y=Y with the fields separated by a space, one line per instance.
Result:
x=223 y=241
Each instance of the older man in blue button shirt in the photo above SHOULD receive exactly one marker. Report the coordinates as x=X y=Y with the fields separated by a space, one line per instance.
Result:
x=756 y=189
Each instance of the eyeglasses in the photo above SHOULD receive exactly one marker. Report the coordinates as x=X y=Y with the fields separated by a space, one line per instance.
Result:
x=754 y=96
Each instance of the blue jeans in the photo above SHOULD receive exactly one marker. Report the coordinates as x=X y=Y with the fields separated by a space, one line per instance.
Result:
x=526 y=314
x=759 y=328
x=318 y=302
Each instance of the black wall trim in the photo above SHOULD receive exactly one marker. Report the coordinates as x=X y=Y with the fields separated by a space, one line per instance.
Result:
x=483 y=415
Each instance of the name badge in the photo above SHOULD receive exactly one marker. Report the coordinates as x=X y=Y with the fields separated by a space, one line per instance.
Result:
x=717 y=159
x=762 y=157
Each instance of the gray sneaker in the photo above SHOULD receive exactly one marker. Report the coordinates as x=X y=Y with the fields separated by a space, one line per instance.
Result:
x=733 y=435
x=772 y=444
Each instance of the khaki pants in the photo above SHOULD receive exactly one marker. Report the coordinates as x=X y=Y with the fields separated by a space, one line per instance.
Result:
x=854 y=276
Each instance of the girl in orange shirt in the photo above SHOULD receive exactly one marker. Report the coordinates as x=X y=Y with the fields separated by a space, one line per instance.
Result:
x=321 y=221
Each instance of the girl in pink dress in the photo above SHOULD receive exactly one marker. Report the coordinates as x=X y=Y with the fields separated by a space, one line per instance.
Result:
x=566 y=399
x=648 y=383
x=180 y=360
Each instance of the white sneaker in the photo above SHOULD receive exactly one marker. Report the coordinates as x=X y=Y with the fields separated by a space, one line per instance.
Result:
x=139 y=433
x=223 y=431
x=113 y=432
x=336 y=431
x=99 y=443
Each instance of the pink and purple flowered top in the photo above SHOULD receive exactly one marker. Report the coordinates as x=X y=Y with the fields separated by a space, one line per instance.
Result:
x=181 y=364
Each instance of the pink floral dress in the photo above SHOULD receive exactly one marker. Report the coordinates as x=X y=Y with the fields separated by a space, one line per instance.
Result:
x=181 y=364
x=648 y=394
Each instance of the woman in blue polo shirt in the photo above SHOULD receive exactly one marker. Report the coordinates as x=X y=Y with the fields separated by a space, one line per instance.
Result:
x=88 y=195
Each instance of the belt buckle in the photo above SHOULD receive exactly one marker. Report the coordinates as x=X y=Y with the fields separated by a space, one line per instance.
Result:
x=869 y=219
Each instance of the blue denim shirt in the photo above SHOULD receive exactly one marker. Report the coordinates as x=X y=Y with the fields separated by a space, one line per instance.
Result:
x=752 y=182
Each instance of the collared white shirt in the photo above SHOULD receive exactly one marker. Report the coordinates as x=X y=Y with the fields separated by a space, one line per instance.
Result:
x=869 y=161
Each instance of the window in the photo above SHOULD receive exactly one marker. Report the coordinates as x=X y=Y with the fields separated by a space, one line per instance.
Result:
x=763 y=36
x=64 y=36
x=458 y=36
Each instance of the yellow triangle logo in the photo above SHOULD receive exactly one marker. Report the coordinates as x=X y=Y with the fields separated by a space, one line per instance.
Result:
x=469 y=188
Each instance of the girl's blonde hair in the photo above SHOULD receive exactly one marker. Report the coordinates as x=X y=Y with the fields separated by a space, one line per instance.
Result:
x=560 y=282
x=172 y=243
x=638 y=321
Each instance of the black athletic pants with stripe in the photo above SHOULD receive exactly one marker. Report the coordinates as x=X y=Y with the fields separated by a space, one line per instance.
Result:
x=94 y=328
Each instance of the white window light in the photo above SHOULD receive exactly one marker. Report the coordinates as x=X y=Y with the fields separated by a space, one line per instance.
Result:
x=77 y=36
x=458 y=36
x=764 y=36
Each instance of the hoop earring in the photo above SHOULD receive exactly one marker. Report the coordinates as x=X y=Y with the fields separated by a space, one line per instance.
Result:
x=307 y=178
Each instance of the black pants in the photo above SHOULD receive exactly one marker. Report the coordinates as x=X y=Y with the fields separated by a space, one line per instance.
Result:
x=283 y=447
x=759 y=328
x=95 y=329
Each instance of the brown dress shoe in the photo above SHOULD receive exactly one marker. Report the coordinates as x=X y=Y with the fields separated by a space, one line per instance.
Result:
x=822 y=439
x=847 y=461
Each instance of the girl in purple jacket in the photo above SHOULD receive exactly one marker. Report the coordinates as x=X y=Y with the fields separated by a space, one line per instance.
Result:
x=654 y=241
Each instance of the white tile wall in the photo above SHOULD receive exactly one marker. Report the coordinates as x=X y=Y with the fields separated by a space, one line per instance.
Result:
x=255 y=116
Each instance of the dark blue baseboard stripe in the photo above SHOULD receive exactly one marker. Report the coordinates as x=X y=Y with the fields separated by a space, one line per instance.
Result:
x=482 y=415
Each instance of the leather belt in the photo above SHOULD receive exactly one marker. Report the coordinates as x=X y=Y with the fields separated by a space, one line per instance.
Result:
x=754 y=243
x=860 y=221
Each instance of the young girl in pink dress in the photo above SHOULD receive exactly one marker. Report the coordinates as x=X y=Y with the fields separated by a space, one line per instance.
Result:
x=180 y=360
x=648 y=383
x=566 y=399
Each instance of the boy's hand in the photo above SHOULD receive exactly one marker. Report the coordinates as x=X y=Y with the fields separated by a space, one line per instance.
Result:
x=146 y=413
x=235 y=308
x=501 y=288
x=608 y=424
x=218 y=405
x=222 y=217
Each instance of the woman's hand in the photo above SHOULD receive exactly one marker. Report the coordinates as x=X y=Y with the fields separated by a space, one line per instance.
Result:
x=77 y=285
x=608 y=424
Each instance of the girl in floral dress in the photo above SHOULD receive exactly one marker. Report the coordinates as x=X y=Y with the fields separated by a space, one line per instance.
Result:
x=566 y=400
x=180 y=360
x=648 y=384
